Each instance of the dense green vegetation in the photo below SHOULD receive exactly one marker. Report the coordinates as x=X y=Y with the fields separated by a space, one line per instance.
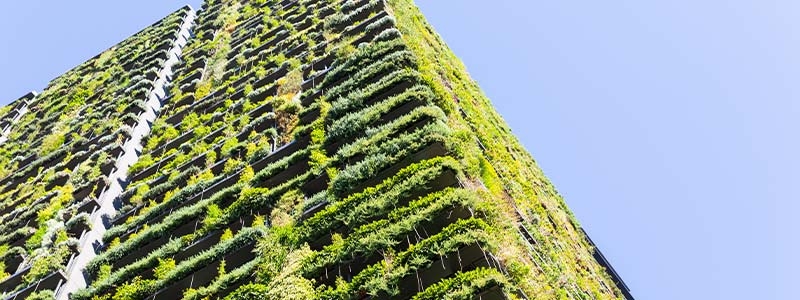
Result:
x=312 y=149
x=59 y=154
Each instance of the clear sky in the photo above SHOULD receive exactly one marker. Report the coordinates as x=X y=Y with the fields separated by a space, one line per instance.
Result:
x=669 y=126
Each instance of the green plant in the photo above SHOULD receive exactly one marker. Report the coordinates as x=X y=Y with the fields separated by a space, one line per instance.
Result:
x=211 y=158
x=381 y=198
x=229 y=145
x=3 y=273
x=46 y=263
x=131 y=290
x=200 y=177
x=42 y=295
x=104 y=273
x=249 y=291
x=201 y=131
x=357 y=97
x=165 y=266
x=367 y=146
x=223 y=282
x=221 y=269
x=247 y=174
x=226 y=235
x=359 y=120
x=464 y=285
x=212 y=213
x=370 y=166
x=51 y=143
x=203 y=89
x=139 y=197
x=382 y=277
x=289 y=85
x=190 y=122
x=231 y=165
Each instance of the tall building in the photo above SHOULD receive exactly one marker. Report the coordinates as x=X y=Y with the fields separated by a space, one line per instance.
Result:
x=264 y=149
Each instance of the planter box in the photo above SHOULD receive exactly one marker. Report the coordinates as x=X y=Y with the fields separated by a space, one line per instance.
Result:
x=119 y=219
x=78 y=229
x=13 y=281
x=142 y=251
x=465 y=259
x=260 y=127
x=290 y=172
x=198 y=246
x=60 y=180
x=278 y=154
x=83 y=192
x=213 y=135
x=206 y=274
x=108 y=167
x=196 y=74
x=178 y=116
x=20 y=240
x=308 y=100
x=76 y=160
x=12 y=263
x=149 y=170
x=186 y=100
x=448 y=179
x=434 y=150
x=352 y=31
x=313 y=81
x=100 y=187
x=198 y=64
x=316 y=185
x=174 y=143
x=51 y=282
x=309 y=116
x=261 y=110
x=88 y=206
x=271 y=77
x=115 y=151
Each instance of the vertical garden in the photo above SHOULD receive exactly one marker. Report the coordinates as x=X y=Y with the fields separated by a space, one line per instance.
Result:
x=60 y=147
x=308 y=149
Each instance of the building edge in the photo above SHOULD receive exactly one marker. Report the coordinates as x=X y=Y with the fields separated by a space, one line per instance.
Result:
x=76 y=278
x=509 y=163
x=19 y=108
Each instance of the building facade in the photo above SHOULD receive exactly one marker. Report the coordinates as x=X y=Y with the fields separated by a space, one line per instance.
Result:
x=265 y=149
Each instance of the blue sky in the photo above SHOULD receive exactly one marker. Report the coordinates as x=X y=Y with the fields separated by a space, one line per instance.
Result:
x=669 y=126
